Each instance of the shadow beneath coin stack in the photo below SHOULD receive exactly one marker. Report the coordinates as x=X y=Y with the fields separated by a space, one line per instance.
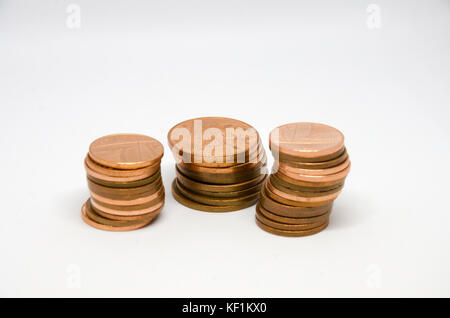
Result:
x=348 y=211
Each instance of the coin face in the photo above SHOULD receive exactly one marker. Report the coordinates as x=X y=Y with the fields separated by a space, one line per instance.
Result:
x=213 y=139
x=126 y=151
x=306 y=140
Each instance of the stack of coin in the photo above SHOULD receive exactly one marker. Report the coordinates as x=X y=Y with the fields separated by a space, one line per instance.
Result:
x=124 y=179
x=311 y=164
x=221 y=164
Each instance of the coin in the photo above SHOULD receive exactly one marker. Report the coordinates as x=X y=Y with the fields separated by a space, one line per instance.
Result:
x=313 y=172
x=230 y=178
x=291 y=220
x=141 y=173
x=193 y=136
x=156 y=210
x=314 y=178
x=204 y=207
x=286 y=158
x=130 y=184
x=283 y=185
x=230 y=194
x=141 y=199
x=312 y=185
x=126 y=151
x=290 y=233
x=130 y=210
x=125 y=193
x=302 y=193
x=291 y=211
x=219 y=188
x=318 y=164
x=281 y=197
x=286 y=226
x=306 y=140
x=107 y=227
x=214 y=200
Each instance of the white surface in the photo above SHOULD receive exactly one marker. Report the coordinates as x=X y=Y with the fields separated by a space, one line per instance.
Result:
x=143 y=66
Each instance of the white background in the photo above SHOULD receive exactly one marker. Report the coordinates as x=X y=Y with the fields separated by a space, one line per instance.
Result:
x=143 y=66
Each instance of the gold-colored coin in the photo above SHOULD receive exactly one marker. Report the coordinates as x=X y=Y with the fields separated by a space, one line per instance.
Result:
x=286 y=226
x=306 y=140
x=126 y=151
x=291 y=220
x=219 y=188
x=86 y=214
x=204 y=207
x=290 y=233
x=291 y=211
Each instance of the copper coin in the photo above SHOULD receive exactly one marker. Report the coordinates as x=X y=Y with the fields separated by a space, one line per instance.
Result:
x=306 y=140
x=126 y=151
x=290 y=233
x=286 y=226
x=301 y=193
x=318 y=185
x=126 y=184
x=286 y=158
x=154 y=213
x=219 y=188
x=141 y=173
x=313 y=172
x=130 y=210
x=316 y=165
x=214 y=200
x=194 y=136
x=204 y=207
x=106 y=227
x=291 y=211
x=314 y=178
x=230 y=170
x=243 y=158
x=107 y=178
x=231 y=178
x=284 y=198
x=232 y=194
x=283 y=185
x=290 y=220
x=134 y=201
x=125 y=193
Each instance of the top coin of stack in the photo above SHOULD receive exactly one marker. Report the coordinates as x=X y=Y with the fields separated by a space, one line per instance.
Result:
x=124 y=179
x=220 y=164
x=311 y=164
